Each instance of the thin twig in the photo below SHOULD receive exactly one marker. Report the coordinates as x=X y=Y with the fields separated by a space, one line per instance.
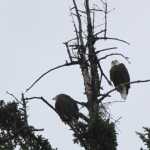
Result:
x=113 y=102
x=111 y=38
x=50 y=70
x=96 y=34
x=75 y=14
x=68 y=51
x=118 y=120
x=102 y=1
x=80 y=23
x=76 y=46
x=110 y=10
x=82 y=11
x=106 y=49
x=83 y=117
x=105 y=33
x=76 y=30
x=12 y=95
x=98 y=10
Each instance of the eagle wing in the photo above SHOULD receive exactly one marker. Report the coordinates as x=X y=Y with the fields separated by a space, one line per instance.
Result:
x=66 y=108
x=119 y=75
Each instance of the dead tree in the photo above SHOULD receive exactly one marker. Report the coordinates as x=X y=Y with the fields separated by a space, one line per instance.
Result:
x=95 y=131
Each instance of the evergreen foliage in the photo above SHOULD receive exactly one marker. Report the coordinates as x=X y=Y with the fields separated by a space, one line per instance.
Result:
x=145 y=137
x=15 y=132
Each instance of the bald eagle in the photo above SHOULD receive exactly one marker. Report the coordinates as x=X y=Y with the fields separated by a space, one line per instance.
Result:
x=119 y=75
x=66 y=108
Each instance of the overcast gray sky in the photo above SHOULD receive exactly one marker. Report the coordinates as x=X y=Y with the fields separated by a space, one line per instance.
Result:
x=31 y=37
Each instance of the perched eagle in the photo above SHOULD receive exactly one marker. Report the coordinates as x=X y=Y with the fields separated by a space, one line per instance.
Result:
x=119 y=75
x=66 y=108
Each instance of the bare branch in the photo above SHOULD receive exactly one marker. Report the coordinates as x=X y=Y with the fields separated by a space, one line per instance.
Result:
x=111 y=38
x=68 y=51
x=37 y=130
x=81 y=103
x=49 y=105
x=82 y=11
x=76 y=30
x=109 y=92
x=106 y=49
x=80 y=23
x=73 y=39
x=44 y=100
x=91 y=10
x=93 y=22
x=50 y=70
x=114 y=102
x=103 y=74
x=83 y=117
x=12 y=95
x=115 y=54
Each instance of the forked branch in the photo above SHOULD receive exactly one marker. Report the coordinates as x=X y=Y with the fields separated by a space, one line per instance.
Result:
x=43 y=99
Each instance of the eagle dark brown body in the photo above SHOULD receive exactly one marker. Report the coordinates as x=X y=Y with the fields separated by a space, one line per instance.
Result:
x=120 y=77
x=66 y=107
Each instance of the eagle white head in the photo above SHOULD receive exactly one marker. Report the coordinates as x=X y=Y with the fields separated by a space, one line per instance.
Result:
x=114 y=63
x=55 y=98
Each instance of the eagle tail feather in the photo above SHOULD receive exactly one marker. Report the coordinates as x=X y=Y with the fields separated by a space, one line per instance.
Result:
x=124 y=93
